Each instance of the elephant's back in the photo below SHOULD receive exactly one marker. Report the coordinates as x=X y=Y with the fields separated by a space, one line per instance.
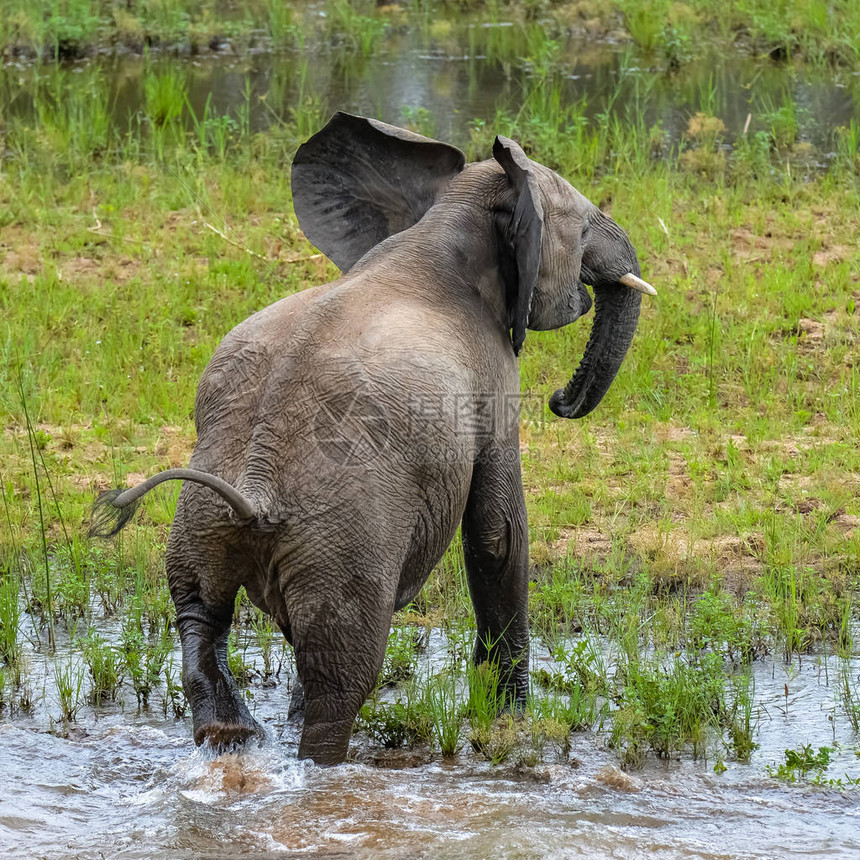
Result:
x=368 y=395
x=236 y=379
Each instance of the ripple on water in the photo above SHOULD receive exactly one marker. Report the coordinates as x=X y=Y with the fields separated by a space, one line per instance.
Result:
x=141 y=792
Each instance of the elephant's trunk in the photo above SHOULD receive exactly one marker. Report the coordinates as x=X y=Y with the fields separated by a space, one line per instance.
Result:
x=616 y=314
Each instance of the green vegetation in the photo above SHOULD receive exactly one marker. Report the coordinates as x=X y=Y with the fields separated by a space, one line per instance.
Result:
x=704 y=518
x=104 y=664
x=69 y=678
x=802 y=762
x=804 y=765
x=676 y=32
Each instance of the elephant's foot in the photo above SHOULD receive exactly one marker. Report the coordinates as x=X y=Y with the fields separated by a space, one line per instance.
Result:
x=326 y=743
x=515 y=707
x=515 y=691
x=222 y=719
x=229 y=736
x=220 y=716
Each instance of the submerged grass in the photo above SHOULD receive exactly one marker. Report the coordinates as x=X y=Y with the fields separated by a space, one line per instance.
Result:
x=69 y=679
x=706 y=515
x=105 y=666
x=10 y=619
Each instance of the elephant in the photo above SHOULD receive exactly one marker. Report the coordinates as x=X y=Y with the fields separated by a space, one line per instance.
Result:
x=347 y=430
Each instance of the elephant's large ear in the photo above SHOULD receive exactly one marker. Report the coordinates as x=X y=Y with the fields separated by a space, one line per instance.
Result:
x=524 y=232
x=359 y=181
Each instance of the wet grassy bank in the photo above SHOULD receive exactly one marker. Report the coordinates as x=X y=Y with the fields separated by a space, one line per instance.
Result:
x=669 y=32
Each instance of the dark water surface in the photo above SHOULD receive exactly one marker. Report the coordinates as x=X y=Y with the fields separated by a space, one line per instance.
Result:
x=444 y=83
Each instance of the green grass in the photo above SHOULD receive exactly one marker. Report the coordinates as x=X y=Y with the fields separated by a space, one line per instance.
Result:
x=800 y=763
x=69 y=680
x=848 y=692
x=105 y=666
x=440 y=700
x=10 y=620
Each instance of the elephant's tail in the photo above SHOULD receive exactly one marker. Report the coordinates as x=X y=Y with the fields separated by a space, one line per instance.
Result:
x=114 y=508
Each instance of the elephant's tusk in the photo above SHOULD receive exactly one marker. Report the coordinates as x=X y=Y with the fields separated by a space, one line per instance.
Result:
x=630 y=280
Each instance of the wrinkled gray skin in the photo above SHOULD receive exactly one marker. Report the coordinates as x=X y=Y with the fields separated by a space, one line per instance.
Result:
x=361 y=421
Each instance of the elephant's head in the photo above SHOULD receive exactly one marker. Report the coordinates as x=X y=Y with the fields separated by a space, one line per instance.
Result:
x=359 y=181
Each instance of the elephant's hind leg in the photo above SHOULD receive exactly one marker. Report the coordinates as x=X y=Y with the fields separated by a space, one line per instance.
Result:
x=340 y=630
x=219 y=715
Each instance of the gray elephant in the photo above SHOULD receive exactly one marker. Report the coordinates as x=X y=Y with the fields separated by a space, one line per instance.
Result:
x=345 y=431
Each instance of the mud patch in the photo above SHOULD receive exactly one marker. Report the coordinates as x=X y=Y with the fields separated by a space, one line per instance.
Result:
x=678 y=484
x=846 y=523
x=673 y=546
x=674 y=433
x=792 y=483
x=78 y=268
x=810 y=330
x=122 y=269
x=674 y=553
x=806 y=506
x=234 y=774
x=175 y=444
x=833 y=254
x=93 y=483
x=586 y=543
x=614 y=778
x=751 y=246
x=18 y=255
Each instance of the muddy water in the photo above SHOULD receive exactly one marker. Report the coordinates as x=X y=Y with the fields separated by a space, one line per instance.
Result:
x=130 y=784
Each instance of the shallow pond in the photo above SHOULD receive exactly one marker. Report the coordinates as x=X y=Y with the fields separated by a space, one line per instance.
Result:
x=132 y=785
x=444 y=81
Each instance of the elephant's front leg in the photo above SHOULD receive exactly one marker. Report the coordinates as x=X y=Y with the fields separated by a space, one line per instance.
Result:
x=495 y=545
